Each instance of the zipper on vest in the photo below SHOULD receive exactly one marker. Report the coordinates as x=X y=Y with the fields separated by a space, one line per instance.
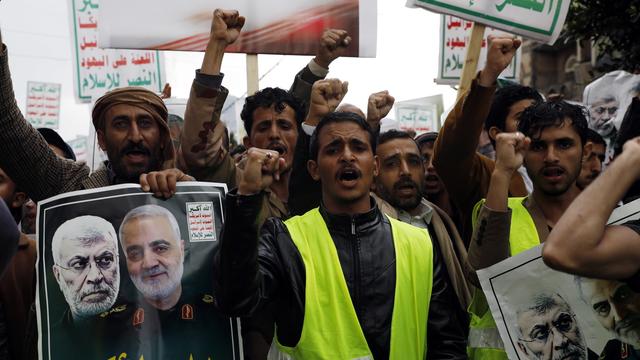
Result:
x=355 y=246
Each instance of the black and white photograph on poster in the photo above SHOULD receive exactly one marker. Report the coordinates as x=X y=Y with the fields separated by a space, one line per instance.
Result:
x=607 y=99
x=546 y=314
x=126 y=275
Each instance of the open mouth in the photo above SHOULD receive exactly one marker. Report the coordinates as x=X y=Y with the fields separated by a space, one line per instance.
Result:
x=349 y=176
x=280 y=148
x=137 y=155
x=553 y=173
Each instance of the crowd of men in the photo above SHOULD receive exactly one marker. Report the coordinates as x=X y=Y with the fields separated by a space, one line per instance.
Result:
x=339 y=241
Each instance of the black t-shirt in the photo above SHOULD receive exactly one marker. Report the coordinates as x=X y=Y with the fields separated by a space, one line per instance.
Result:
x=634 y=281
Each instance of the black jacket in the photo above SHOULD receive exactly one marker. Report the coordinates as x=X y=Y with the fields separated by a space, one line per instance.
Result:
x=255 y=268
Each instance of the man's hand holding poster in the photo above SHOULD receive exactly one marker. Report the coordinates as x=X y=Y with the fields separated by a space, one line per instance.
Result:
x=125 y=275
x=546 y=314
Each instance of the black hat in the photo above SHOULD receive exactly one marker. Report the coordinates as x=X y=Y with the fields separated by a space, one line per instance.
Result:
x=53 y=138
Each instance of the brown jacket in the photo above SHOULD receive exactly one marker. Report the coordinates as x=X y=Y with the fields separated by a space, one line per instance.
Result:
x=465 y=173
x=454 y=253
x=490 y=242
x=17 y=293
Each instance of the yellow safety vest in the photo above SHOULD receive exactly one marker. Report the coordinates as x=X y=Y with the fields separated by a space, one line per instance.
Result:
x=331 y=329
x=484 y=338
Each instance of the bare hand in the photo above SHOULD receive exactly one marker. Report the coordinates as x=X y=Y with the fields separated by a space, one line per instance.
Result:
x=226 y=26
x=166 y=91
x=163 y=183
x=326 y=95
x=261 y=169
x=510 y=151
x=379 y=105
x=333 y=44
x=500 y=52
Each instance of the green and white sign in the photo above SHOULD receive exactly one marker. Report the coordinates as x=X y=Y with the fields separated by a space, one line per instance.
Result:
x=43 y=104
x=454 y=40
x=421 y=115
x=100 y=70
x=541 y=20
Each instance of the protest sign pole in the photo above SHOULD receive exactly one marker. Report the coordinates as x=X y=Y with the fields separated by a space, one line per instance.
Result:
x=252 y=84
x=471 y=60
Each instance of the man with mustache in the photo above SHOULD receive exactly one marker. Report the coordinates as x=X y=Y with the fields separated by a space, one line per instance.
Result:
x=151 y=241
x=592 y=164
x=331 y=273
x=464 y=172
x=434 y=189
x=131 y=125
x=85 y=265
x=175 y=322
x=272 y=117
x=548 y=329
x=551 y=143
x=617 y=307
x=399 y=183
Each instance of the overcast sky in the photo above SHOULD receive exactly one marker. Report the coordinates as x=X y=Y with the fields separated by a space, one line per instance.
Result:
x=38 y=35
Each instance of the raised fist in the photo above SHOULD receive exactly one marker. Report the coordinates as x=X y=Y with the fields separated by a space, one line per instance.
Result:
x=379 y=105
x=226 y=25
x=500 y=52
x=326 y=95
x=333 y=44
x=510 y=151
x=261 y=168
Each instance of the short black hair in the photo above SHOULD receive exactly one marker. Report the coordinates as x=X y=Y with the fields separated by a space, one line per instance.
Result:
x=392 y=135
x=595 y=138
x=338 y=117
x=504 y=98
x=266 y=98
x=426 y=138
x=538 y=117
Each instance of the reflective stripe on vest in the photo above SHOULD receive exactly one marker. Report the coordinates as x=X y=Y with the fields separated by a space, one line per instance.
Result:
x=484 y=337
x=331 y=329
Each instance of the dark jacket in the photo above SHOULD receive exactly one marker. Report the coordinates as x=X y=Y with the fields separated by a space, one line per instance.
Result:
x=17 y=292
x=256 y=268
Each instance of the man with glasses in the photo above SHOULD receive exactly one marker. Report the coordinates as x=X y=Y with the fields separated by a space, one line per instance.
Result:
x=602 y=115
x=547 y=329
x=85 y=257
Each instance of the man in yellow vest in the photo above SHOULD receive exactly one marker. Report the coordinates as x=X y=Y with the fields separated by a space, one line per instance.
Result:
x=551 y=144
x=347 y=281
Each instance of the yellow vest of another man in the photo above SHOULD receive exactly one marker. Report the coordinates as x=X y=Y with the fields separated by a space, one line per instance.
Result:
x=331 y=329
x=484 y=338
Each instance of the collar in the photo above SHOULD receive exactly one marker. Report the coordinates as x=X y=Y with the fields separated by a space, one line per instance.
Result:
x=352 y=224
x=538 y=217
x=425 y=213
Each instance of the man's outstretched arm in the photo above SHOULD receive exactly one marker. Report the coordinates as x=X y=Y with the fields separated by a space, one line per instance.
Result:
x=582 y=243
x=26 y=156
x=203 y=135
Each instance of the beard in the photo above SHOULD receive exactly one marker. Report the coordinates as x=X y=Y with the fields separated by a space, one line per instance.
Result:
x=406 y=204
x=628 y=330
x=81 y=308
x=158 y=289
x=131 y=174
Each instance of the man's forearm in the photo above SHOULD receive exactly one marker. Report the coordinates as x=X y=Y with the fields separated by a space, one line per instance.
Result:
x=26 y=157
x=581 y=228
x=236 y=266
x=455 y=148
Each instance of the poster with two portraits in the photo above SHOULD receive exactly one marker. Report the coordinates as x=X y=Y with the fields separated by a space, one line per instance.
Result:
x=546 y=314
x=126 y=275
